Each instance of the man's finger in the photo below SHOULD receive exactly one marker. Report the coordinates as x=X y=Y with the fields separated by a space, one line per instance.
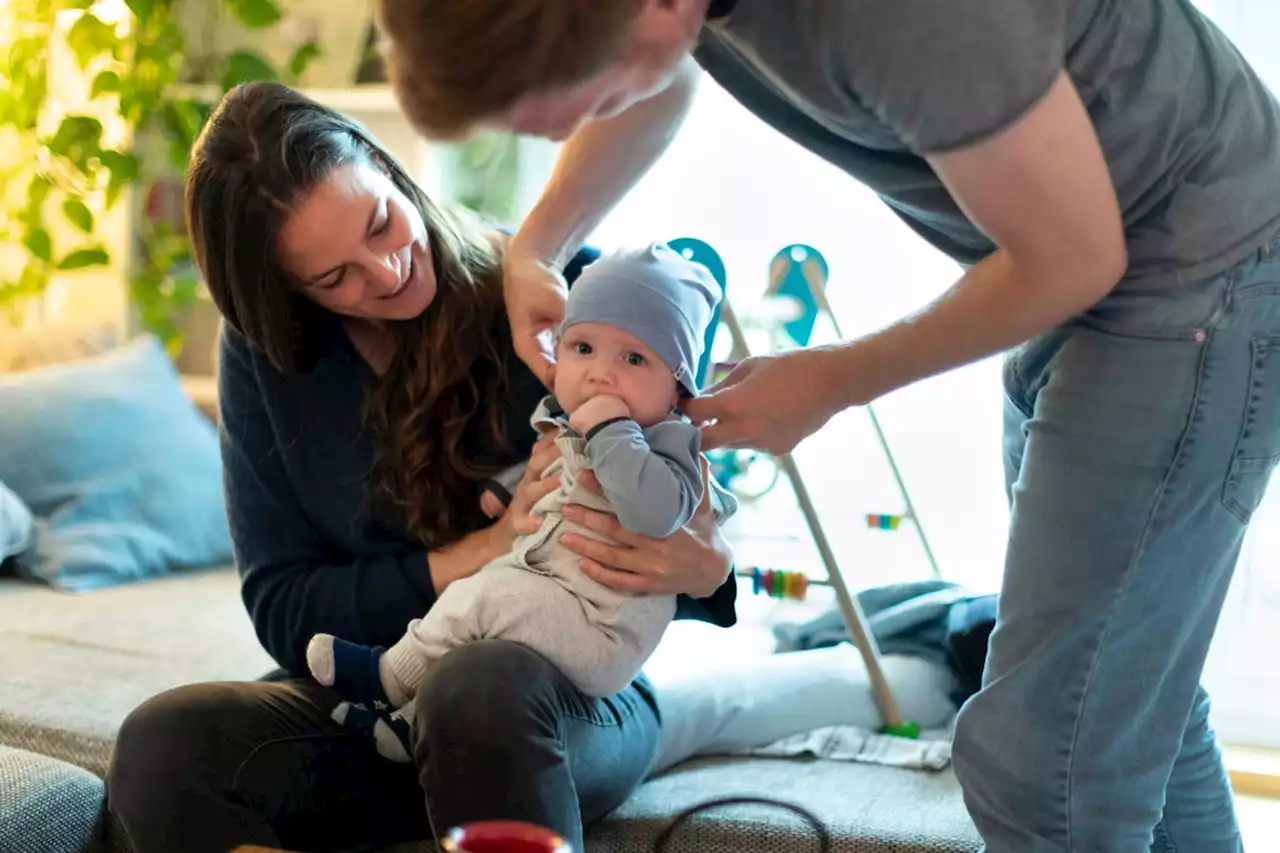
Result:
x=704 y=408
x=720 y=434
x=531 y=350
x=732 y=378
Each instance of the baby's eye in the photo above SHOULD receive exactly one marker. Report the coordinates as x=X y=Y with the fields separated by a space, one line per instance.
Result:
x=582 y=348
x=635 y=359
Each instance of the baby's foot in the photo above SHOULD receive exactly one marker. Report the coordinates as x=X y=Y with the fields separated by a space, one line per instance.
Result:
x=349 y=668
x=388 y=733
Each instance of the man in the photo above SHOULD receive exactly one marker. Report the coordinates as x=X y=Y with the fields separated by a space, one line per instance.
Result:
x=1108 y=174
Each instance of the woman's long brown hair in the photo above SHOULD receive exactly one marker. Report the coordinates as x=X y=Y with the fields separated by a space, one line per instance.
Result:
x=264 y=148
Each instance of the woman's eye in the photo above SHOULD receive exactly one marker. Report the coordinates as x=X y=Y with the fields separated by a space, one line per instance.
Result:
x=635 y=359
x=381 y=229
x=582 y=348
x=333 y=282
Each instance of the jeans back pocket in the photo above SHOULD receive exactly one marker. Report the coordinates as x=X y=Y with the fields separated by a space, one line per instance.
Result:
x=1258 y=445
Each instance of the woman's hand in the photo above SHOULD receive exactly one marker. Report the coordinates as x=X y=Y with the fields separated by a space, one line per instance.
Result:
x=695 y=560
x=516 y=520
x=535 y=294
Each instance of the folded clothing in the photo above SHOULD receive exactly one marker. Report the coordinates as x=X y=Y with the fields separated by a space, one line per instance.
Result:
x=938 y=621
x=732 y=707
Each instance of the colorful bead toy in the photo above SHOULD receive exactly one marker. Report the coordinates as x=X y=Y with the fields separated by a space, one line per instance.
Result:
x=776 y=583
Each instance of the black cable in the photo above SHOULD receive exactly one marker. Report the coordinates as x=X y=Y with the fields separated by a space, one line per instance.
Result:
x=824 y=836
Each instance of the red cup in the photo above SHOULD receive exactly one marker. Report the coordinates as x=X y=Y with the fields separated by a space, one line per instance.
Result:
x=503 y=836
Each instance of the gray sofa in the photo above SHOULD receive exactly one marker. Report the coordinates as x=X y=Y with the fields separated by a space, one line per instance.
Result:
x=71 y=668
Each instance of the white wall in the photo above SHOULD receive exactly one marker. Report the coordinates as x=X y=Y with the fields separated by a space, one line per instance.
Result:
x=732 y=181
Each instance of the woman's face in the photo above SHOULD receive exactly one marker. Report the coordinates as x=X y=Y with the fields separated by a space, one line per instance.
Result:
x=358 y=247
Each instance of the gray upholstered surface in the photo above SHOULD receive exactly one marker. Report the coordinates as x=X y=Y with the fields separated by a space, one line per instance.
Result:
x=48 y=806
x=867 y=808
x=73 y=666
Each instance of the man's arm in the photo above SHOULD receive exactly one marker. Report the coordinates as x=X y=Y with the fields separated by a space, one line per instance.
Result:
x=597 y=166
x=1042 y=190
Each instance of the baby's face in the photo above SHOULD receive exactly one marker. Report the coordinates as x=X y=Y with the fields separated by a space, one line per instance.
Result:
x=594 y=359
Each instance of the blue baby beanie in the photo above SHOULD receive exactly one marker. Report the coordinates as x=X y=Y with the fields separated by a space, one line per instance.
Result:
x=654 y=294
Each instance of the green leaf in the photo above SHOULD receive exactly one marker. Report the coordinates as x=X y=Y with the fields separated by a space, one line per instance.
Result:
x=89 y=38
x=303 y=57
x=34 y=279
x=78 y=214
x=186 y=288
x=82 y=258
x=39 y=243
x=244 y=66
x=78 y=138
x=141 y=9
x=255 y=14
x=37 y=192
x=183 y=119
x=106 y=81
x=121 y=164
x=75 y=4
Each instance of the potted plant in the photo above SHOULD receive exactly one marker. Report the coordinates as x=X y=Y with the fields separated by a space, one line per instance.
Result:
x=92 y=114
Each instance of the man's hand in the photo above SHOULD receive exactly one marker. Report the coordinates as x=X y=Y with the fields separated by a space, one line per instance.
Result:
x=597 y=410
x=535 y=294
x=769 y=403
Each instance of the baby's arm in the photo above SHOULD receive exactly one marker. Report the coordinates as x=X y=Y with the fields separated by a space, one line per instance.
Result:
x=652 y=477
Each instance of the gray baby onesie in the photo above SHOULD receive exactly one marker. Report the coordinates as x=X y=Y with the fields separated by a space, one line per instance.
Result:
x=538 y=595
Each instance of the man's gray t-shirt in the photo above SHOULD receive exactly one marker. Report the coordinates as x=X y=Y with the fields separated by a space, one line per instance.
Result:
x=1191 y=135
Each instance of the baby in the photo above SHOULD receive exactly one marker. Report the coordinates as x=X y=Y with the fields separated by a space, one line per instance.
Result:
x=630 y=342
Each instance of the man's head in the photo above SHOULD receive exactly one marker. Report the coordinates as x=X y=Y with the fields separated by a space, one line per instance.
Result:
x=634 y=327
x=535 y=67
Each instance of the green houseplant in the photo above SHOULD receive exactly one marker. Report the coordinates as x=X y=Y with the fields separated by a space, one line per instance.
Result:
x=132 y=129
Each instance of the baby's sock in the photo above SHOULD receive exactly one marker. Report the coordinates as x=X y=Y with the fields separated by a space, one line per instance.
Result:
x=390 y=734
x=356 y=672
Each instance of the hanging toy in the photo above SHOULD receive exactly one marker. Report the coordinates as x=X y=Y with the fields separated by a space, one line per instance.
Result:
x=883 y=522
x=776 y=583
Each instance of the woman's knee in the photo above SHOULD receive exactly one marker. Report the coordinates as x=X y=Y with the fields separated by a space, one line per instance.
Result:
x=491 y=692
x=164 y=744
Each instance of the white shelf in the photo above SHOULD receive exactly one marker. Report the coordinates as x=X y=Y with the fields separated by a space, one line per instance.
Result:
x=360 y=100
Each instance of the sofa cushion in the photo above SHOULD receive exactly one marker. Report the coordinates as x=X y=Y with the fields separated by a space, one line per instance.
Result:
x=72 y=667
x=48 y=805
x=121 y=470
x=15 y=524
x=866 y=809
x=41 y=345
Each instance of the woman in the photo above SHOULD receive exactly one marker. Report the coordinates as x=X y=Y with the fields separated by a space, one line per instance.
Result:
x=367 y=387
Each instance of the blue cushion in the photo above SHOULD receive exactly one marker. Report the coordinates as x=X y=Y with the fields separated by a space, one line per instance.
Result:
x=15 y=524
x=121 y=470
